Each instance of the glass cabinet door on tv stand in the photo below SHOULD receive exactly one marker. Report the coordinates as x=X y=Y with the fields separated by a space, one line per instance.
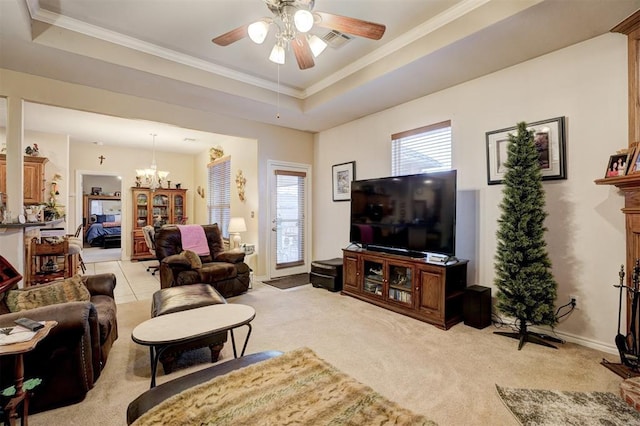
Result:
x=373 y=277
x=400 y=289
x=388 y=279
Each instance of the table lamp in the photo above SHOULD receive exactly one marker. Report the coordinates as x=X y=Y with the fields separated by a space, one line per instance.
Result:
x=236 y=226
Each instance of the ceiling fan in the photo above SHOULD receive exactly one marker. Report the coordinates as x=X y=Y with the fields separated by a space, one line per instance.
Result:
x=293 y=19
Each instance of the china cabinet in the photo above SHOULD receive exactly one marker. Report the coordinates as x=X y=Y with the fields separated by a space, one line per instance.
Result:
x=157 y=208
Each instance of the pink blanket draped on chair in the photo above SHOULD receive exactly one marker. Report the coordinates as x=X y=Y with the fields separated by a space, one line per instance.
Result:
x=194 y=239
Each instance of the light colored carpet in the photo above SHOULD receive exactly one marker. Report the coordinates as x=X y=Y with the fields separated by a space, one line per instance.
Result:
x=533 y=407
x=448 y=376
x=296 y=387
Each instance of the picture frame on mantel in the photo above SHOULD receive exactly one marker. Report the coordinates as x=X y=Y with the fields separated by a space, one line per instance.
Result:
x=342 y=176
x=549 y=136
x=617 y=165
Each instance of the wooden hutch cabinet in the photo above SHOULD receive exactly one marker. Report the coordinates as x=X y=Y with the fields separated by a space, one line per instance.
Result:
x=33 y=185
x=159 y=207
x=425 y=291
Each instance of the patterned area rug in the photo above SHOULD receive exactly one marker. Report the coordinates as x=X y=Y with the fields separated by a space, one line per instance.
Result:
x=289 y=281
x=543 y=407
x=294 y=388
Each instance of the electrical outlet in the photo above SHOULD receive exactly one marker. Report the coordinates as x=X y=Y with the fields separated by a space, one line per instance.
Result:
x=574 y=298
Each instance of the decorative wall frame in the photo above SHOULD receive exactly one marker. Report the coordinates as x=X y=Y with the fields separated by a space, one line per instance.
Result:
x=241 y=181
x=343 y=174
x=549 y=138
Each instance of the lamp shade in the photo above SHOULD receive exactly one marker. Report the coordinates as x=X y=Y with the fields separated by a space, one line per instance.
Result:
x=237 y=224
x=317 y=45
x=303 y=20
x=277 y=54
x=258 y=31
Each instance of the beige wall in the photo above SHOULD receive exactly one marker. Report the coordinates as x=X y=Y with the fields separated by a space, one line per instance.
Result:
x=272 y=142
x=244 y=157
x=586 y=237
x=123 y=162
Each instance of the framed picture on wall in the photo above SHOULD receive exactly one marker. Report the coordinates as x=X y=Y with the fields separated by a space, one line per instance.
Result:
x=343 y=174
x=549 y=137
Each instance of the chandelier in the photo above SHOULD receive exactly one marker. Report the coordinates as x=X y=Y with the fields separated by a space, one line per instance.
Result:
x=151 y=176
x=291 y=22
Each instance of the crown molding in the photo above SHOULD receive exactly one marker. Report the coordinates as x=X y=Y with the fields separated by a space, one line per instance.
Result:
x=39 y=14
x=394 y=45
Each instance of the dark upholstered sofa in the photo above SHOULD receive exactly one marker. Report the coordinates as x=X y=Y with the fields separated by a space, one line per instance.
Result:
x=69 y=360
x=224 y=270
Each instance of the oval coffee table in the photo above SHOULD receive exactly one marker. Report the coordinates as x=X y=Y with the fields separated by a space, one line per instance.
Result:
x=163 y=331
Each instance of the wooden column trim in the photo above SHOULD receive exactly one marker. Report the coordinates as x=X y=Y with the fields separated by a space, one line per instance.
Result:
x=631 y=27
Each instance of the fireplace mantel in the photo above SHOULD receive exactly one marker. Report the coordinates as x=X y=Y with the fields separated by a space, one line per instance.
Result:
x=624 y=183
x=630 y=184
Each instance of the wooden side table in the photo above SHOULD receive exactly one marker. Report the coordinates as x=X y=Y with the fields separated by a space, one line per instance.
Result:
x=19 y=349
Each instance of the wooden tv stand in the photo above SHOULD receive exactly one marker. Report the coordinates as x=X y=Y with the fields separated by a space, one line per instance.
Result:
x=410 y=286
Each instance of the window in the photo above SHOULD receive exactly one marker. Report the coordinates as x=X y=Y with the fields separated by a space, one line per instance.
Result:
x=426 y=149
x=219 y=199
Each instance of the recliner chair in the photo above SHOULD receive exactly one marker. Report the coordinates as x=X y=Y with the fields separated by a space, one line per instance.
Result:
x=70 y=359
x=224 y=270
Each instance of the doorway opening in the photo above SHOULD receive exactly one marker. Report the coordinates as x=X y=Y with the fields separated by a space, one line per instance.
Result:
x=100 y=210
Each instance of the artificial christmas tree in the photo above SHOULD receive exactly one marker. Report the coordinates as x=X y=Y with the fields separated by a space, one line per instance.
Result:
x=526 y=287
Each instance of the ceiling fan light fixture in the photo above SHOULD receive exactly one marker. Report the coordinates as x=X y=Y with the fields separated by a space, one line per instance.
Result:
x=258 y=31
x=303 y=20
x=277 y=54
x=317 y=45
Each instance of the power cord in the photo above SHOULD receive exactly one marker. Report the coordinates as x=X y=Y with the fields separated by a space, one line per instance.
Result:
x=572 y=304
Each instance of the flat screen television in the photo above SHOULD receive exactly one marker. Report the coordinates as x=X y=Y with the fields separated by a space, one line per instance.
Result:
x=413 y=215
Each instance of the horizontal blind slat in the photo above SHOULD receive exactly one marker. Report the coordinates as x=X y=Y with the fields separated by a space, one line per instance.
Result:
x=422 y=150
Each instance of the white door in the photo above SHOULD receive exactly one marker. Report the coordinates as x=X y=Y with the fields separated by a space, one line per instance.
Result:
x=289 y=202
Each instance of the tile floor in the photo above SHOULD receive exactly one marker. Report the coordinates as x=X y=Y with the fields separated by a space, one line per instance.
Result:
x=133 y=282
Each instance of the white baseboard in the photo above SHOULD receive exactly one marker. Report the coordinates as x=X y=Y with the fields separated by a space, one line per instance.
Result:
x=589 y=343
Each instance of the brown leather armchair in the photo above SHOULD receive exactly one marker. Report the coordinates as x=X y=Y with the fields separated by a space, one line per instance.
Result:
x=69 y=360
x=224 y=270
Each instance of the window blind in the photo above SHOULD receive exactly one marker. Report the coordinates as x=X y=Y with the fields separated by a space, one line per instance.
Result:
x=290 y=196
x=219 y=194
x=426 y=149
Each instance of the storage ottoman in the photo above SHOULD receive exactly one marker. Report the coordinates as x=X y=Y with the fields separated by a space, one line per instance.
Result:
x=175 y=299
x=327 y=274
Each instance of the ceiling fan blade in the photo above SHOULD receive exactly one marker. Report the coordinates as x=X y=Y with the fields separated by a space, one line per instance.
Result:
x=356 y=27
x=231 y=36
x=303 y=52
